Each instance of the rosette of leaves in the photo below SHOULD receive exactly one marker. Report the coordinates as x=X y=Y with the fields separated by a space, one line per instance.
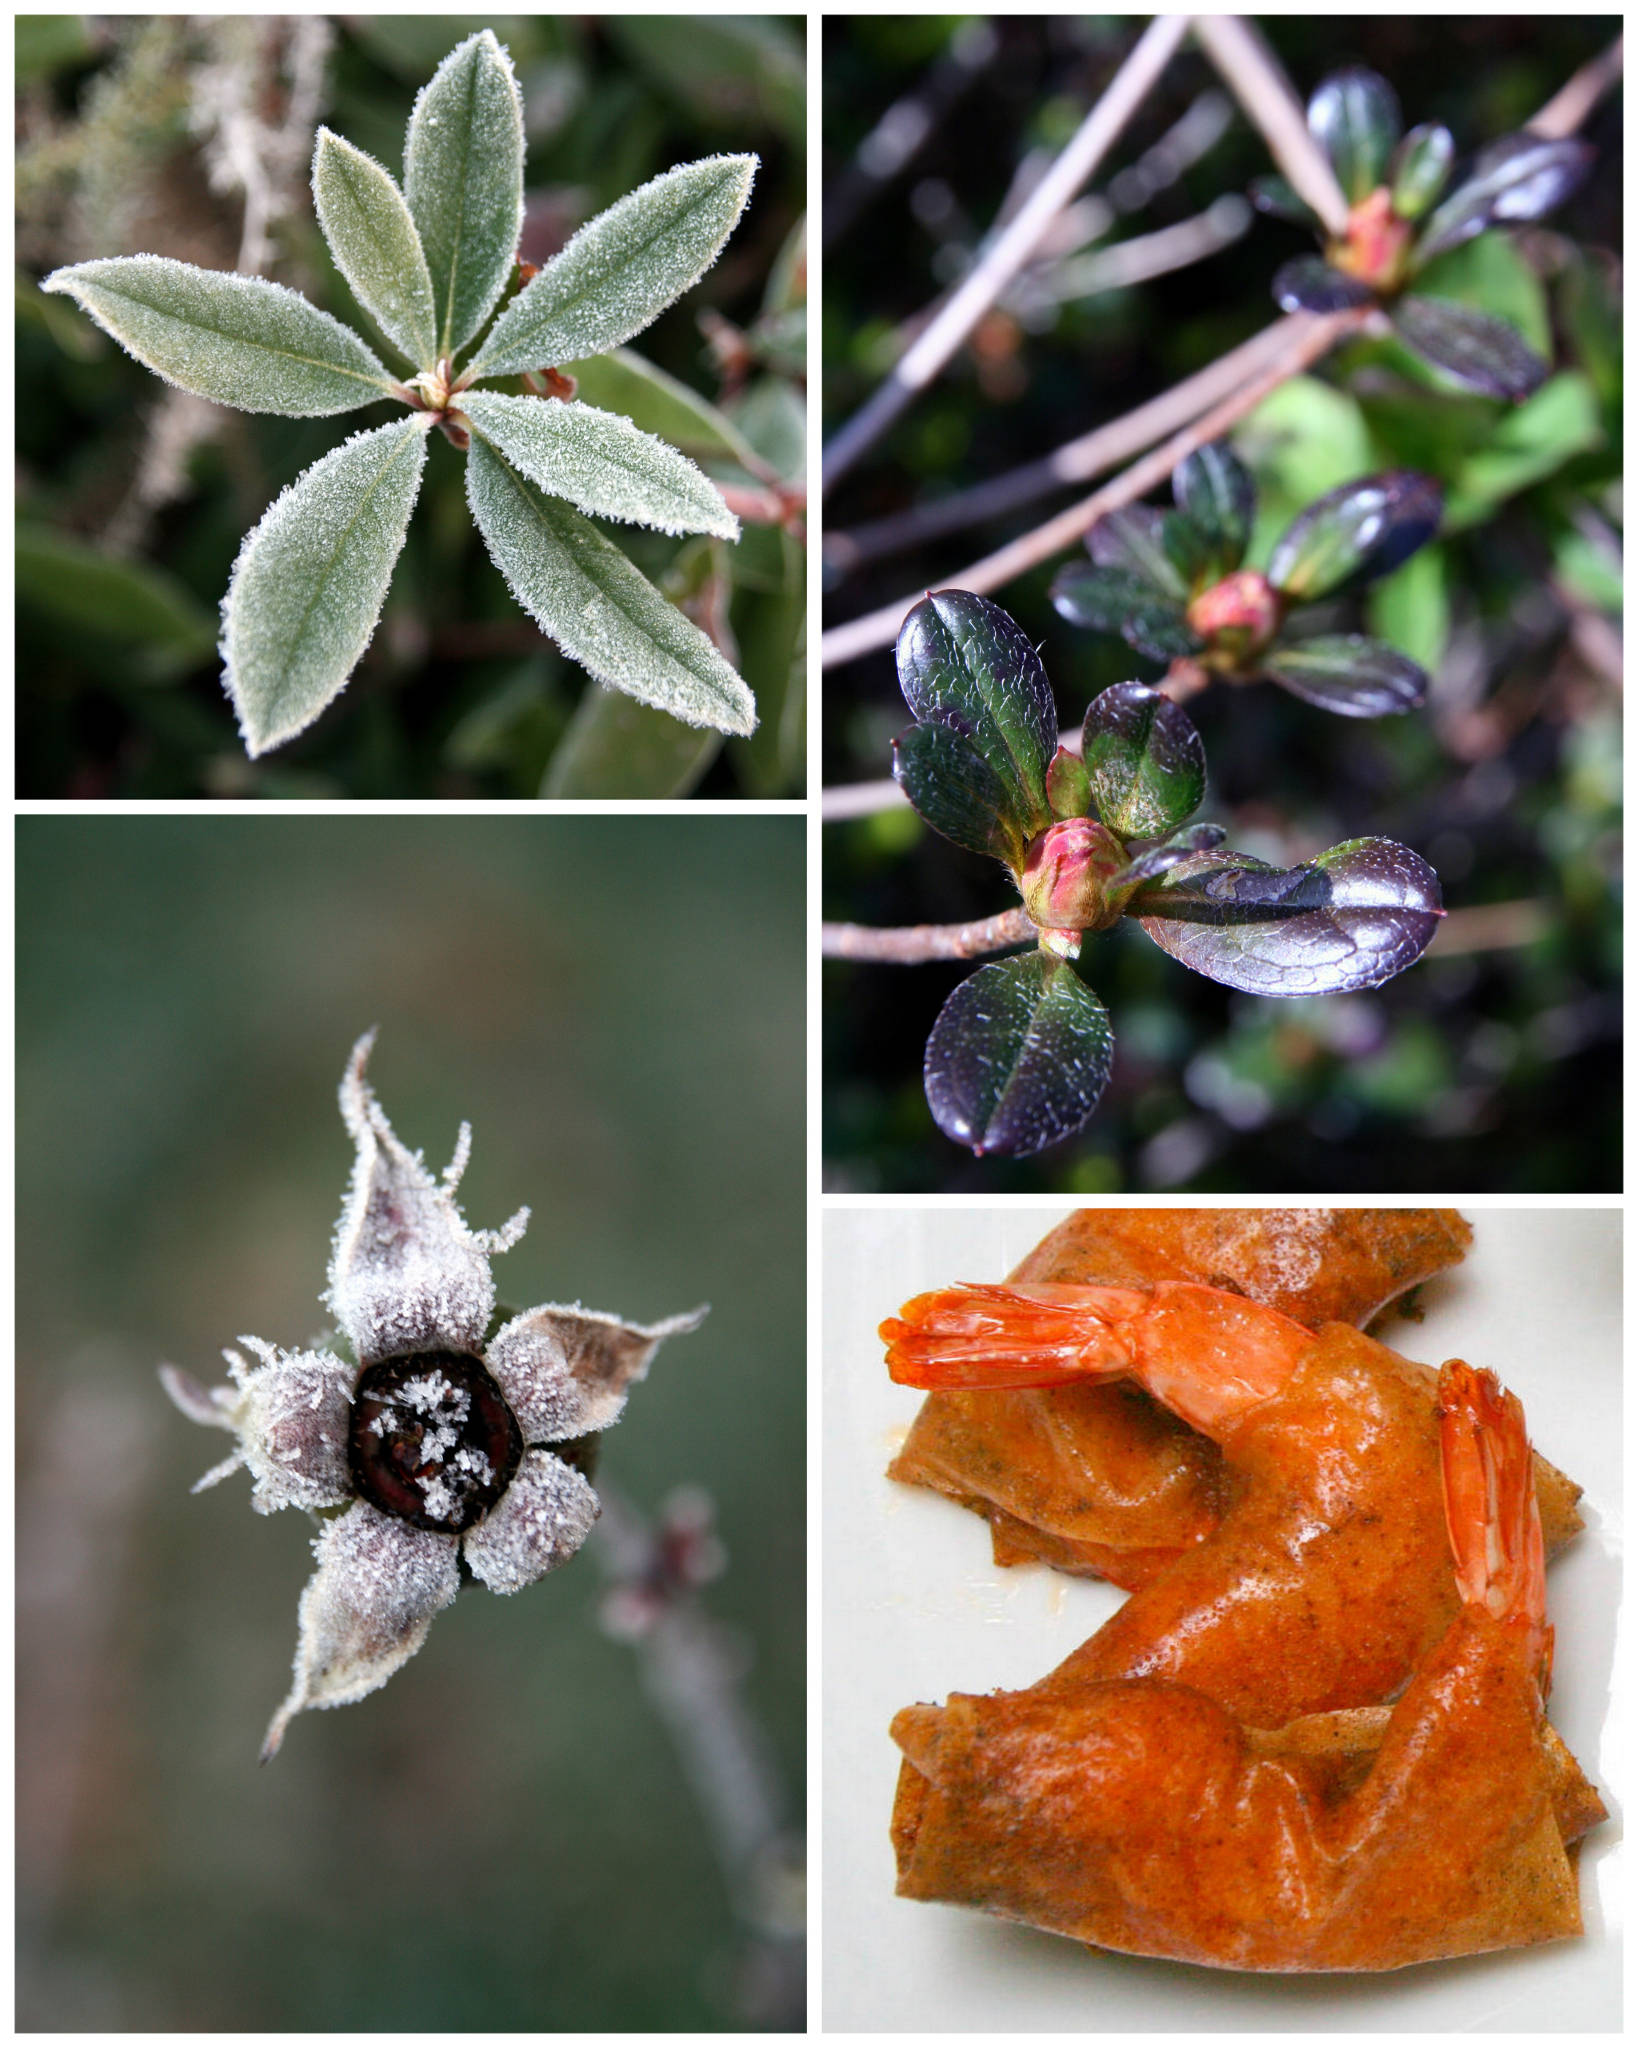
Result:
x=1398 y=225
x=1022 y=1049
x=429 y=262
x=1173 y=586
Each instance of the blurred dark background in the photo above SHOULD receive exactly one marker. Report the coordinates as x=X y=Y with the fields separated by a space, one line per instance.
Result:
x=177 y=134
x=1495 y=1063
x=505 y=1837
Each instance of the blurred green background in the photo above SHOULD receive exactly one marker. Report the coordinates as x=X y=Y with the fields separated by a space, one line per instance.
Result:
x=503 y=1838
x=176 y=134
x=1494 y=1064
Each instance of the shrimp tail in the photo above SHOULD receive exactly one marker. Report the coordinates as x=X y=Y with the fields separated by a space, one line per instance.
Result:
x=1490 y=1503
x=971 y=1337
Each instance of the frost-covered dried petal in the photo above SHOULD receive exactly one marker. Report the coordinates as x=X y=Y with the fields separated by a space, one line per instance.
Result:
x=622 y=269
x=406 y=1273
x=293 y=1430
x=546 y=1514
x=311 y=578
x=366 y=1609
x=214 y=1407
x=565 y=1371
x=240 y=340
x=601 y=463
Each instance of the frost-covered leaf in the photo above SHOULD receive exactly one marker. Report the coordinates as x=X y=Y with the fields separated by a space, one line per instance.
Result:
x=601 y=463
x=463 y=179
x=1349 y=673
x=1474 y=349
x=1018 y=1057
x=308 y=586
x=1355 y=119
x=580 y=589
x=376 y=247
x=622 y=269
x=627 y=383
x=239 y=340
x=1350 y=919
x=953 y=788
x=964 y=663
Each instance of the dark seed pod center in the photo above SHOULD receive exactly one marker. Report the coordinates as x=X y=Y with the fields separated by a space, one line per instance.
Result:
x=432 y=1440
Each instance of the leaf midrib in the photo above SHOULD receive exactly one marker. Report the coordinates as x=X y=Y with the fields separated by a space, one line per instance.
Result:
x=288 y=355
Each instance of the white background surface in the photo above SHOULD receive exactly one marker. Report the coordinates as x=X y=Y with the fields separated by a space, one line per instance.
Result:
x=913 y=1609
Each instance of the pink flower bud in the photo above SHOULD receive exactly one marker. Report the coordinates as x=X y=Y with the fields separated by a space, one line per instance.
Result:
x=1376 y=243
x=1245 y=603
x=1066 y=878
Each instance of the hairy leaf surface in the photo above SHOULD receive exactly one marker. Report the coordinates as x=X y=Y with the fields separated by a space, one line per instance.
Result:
x=964 y=663
x=239 y=340
x=1018 y=1057
x=601 y=463
x=1145 y=760
x=622 y=269
x=580 y=589
x=463 y=179
x=373 y=240
x=954 y=789
x=310 y=580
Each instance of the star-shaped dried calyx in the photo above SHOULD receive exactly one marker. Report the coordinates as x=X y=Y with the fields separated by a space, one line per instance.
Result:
x=427 y=1447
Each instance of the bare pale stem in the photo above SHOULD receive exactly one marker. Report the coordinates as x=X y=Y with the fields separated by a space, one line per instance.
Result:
x=909 y=945
x=1575 y=100
x=1256 y=78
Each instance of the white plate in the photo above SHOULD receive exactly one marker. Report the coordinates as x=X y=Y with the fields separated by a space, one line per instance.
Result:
x=914 y=1609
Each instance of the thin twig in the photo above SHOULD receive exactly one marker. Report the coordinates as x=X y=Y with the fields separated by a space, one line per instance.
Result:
x=1313 y=335
x=1076 y=462
x=1576 y=98
x=1491 y=928
x=990 y=276
x=910 y=944
x=1258 y=81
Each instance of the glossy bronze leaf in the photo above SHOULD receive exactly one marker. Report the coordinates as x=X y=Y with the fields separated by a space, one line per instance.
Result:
x=1018 y=1057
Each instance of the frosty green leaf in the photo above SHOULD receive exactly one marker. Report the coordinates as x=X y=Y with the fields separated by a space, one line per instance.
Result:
x=601 y=463
x=239 y=340
x=463 y=179
x=581 y=590
x=622 y=269
x=373 y=240
x=308 y=586
x=624 y=382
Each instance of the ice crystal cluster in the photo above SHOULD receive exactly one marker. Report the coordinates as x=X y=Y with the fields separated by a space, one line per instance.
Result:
x=429 y=262
x=428 y=1447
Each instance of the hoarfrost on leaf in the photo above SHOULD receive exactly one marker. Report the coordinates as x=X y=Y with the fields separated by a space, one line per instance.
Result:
x=623 y=268
x=561 y=570
x=600 y=463
x=311 y=578
x=239 y=340
x=377 y=250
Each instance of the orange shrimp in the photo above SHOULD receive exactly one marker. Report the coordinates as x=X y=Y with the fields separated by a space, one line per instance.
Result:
x=1097 y=1478
x=1139 y=1815
x=1325 y=1581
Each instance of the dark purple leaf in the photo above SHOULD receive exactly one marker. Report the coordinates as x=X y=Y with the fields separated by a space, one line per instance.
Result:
x=1420 y=166
x=1134 y=540
x=1348 y=673
x=1215 y=493
x=1274 y=196
x=1355 y=533
x=1355 y=119
x=1115 y=601
x=1519 y=178
x=955 y=791
x=963 y=663
x=1476 y=350
x=1145 y=760
x=1192 y=839
x=1308 y=284
x=1018 y=1057
x=1354 y=917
